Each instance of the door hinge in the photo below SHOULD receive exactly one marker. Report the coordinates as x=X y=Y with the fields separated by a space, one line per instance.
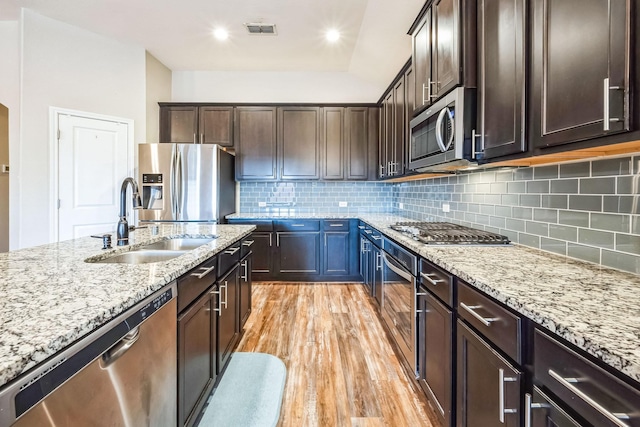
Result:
x=58 y=203
x=58 y=134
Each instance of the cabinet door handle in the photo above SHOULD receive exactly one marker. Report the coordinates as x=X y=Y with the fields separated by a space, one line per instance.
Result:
x=245 y=275
x=483 y=320
x=202 y=138
x=615 y=418
x=278 y=240
x=226 y=294
x=194 y=139
x=502 y=379
x=430 y=280
x=530 y=405
x=429 y=84
x=424 y=86
x=204 y=272
x=381 y=171
x=216 y=293
x=389 y=170
x=270 y=239
x=476 y=154
x=607 y=104
x=378 y=261
x=231 y=251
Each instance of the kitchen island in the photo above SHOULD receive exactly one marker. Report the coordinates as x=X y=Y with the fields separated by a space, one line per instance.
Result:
x=593 y=307
x=51 y=297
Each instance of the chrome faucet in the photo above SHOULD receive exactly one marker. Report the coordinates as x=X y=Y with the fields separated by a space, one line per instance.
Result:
x=122 y=232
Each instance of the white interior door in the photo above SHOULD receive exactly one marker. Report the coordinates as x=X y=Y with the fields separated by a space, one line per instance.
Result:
x=92 y=163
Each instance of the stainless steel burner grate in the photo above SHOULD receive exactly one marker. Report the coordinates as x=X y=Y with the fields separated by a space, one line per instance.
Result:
x=449 y=234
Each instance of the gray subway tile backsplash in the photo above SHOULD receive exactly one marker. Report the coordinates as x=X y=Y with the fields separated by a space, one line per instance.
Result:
x=588 y=210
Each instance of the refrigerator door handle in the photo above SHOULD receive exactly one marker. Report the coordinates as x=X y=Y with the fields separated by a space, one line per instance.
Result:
x=180 y=186
x=172 y=181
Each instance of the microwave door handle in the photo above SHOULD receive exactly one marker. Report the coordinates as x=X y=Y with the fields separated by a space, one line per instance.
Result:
x=444 y=147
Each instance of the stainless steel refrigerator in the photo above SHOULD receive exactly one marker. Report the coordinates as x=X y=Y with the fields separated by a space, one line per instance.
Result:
x=186 y=182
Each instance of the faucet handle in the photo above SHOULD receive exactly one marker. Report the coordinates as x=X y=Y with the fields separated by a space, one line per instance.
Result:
x=106 y=240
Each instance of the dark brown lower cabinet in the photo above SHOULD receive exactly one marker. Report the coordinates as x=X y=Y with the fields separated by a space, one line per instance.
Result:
x=299 y=252
x=436 y=354
x=196 y=364
x=544 y=412
x=245 y=290
x=488 y=387
x=228 y=319
x=262 y=255
x=336 y=252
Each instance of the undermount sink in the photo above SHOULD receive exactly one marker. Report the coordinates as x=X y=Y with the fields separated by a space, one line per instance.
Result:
x=164 y=250
x=141 y=257
x=184 y=244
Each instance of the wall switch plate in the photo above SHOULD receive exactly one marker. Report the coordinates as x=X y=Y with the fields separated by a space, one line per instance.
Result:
x=401 y=205
x=262 y=204
x=342 y=204
x=445 y=207
x=5 y=168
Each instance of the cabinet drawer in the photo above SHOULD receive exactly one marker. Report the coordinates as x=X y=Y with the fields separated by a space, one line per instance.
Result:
x=335 y=225
x=246 y=246
x=195 y=282
x=589 y=390
x=295 y=225
x=228 y=257
x=495 y=322
x=437 y=281
x=261 y=224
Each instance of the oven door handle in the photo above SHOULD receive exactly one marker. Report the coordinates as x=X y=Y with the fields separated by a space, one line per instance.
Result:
x=396 y=268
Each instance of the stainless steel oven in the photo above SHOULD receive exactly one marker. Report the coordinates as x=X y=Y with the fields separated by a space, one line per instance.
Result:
x=441 y=136
x=399 y=298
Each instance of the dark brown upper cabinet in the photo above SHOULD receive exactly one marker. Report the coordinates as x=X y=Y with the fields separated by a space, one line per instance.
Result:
x=436 y=54
x=445 y=63
x=421 y=60
x=333 y=147
x=357 y=143
x=580 y=70
x=395 y=154
x=196 y=125
x=501 y=78
x=299 y=142
x=255 y=141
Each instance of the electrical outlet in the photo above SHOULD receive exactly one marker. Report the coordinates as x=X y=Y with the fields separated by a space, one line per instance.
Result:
x=401 y=205
x=342 y=204
x=262 y=204
x=445 y=207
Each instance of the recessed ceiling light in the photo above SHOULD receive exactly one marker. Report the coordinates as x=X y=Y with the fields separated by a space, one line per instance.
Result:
x=221 y=34
x=333 y=35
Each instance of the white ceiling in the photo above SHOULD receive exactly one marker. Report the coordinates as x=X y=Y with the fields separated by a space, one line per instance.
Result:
x=373 y=47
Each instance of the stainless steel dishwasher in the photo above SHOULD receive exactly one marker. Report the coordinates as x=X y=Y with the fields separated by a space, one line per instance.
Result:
x=123 y=374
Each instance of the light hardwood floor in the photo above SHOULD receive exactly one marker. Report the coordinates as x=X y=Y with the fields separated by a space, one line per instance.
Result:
x=341 y=369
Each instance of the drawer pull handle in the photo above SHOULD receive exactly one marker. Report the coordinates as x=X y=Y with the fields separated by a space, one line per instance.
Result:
x=567 y=383
x=430 y=280
x=502 y=380
x=368 y=231
x=336 y=225
x=204 y=272
x=247 y=243
x=528 y=406
x=231 y=251
x=377 y=238
x=297 y=225
x=483 y=320
x=361 y=227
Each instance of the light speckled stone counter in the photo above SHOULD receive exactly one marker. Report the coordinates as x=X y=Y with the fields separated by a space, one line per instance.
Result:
x=293 y=214
x=596 y=308
x=51 y=297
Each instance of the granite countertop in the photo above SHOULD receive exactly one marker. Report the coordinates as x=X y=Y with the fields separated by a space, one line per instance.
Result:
x=51 y=297
x=594 y=307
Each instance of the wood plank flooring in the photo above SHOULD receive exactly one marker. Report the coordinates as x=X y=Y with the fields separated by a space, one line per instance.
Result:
x=341 y=368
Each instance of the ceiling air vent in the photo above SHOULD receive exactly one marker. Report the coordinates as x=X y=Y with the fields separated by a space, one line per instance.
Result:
x=261 y=29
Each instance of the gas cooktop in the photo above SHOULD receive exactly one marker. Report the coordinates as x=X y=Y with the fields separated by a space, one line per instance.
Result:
x=445 y=233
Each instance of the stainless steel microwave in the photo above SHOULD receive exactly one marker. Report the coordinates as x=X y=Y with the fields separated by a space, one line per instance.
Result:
x=441 y=136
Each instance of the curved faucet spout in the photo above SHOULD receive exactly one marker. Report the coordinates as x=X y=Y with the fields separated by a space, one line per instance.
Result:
x=122 y=231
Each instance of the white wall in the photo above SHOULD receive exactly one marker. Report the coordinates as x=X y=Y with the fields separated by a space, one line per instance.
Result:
x=68 y=67
x=10 y=97
x=230 y=86
x=158 y=90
